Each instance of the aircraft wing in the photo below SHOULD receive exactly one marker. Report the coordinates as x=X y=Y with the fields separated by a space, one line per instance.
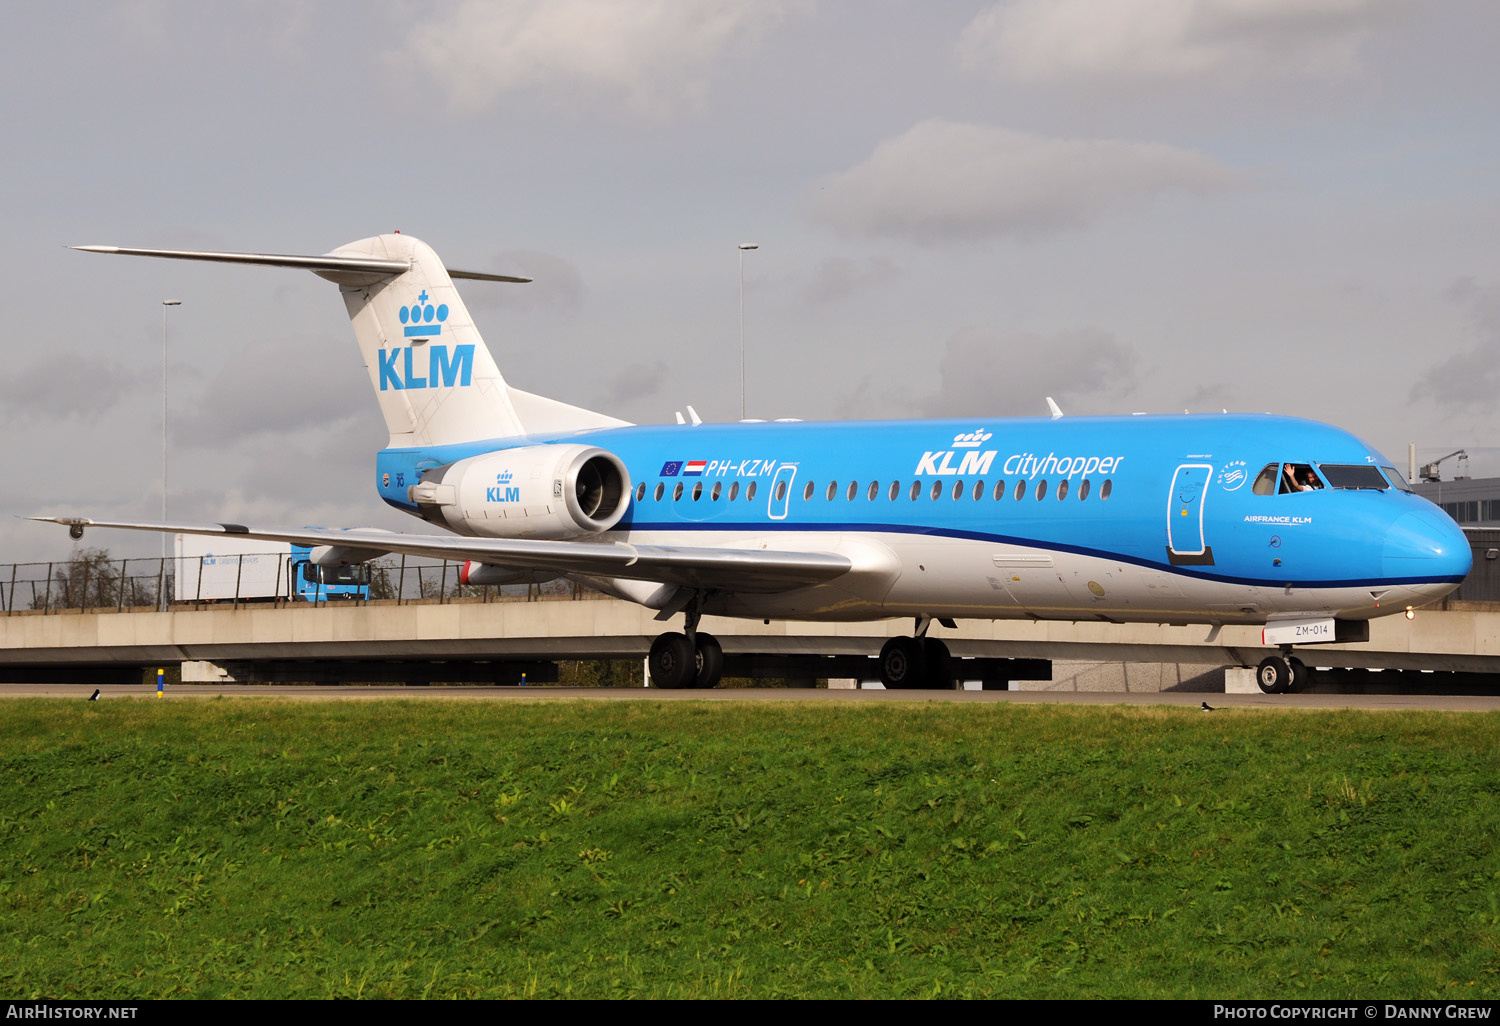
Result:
x=718 y=569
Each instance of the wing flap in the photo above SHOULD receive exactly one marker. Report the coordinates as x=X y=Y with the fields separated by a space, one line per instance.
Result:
x=722 y=569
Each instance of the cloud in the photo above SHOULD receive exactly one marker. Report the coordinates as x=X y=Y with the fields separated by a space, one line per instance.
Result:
x=556 y=284
x=943 y=181
x=839 y=278
x=1471 y=379
x=1169 y=40
x=635 y=381
x=65 y=386
x=989 y=373
x=655 y=56
x=278 y=387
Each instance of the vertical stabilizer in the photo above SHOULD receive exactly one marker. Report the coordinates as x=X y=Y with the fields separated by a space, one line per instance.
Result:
x=433 y=375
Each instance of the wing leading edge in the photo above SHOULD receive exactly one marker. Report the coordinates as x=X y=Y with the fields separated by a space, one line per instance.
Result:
x=726 y=569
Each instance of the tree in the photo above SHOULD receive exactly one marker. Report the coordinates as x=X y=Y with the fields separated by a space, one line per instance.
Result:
x=91 y=579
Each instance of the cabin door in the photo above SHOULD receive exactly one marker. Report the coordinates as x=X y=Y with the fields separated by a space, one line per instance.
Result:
x=1186 y=545
x=781 y=491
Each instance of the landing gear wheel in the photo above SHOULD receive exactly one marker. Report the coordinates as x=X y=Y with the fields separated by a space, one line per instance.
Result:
x=939 y=665
x=903 y=663
x=673 y=661
x=1273 y=675
x=1301 y=675
x=710 y=662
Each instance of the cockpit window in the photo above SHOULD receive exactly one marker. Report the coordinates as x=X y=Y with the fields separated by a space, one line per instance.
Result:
x=1265 y=481
x=1398 y=480
x=1299 y=477
x=1354 y=476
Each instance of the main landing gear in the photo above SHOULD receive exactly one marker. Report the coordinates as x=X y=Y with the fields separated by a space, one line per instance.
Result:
x=692 y=659
x=917 y=662
x=1279 y=674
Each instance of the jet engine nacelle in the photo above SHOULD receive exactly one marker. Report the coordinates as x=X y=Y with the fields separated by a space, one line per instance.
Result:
x=536 y=491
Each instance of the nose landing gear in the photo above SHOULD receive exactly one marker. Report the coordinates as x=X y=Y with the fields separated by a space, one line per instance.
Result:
x=917 y=662
x=1280 y=674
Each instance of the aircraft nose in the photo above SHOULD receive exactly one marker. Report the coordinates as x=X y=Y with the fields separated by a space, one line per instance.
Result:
x=1426 y=546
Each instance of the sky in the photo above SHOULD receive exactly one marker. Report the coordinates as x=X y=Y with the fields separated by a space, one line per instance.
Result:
x=1287 y=206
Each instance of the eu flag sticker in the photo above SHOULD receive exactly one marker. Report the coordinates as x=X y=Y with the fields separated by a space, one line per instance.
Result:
x=670 y=468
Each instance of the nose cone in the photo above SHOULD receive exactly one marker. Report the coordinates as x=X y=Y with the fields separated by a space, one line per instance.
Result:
x=1426 y=547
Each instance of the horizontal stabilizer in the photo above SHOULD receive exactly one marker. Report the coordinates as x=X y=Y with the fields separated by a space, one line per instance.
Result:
x=737 y=570
x=335 y=268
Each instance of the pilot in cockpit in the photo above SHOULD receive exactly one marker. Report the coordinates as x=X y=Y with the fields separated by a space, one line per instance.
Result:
x=1299 y=478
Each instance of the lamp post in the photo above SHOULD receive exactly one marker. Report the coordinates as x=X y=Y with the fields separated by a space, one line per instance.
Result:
x=166 y=305
x=743 y=247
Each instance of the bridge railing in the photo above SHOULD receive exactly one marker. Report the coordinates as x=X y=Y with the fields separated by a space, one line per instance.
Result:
x=97 y=583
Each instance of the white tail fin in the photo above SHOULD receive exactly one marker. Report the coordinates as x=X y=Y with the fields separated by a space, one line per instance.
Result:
x=435 y=379
x=433 y=375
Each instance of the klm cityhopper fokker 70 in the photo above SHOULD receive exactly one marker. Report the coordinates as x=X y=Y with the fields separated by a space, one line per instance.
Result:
x=1286 y=523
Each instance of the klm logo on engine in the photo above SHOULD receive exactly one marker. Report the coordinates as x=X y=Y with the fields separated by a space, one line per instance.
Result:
x=503 y=491
x=430 y=366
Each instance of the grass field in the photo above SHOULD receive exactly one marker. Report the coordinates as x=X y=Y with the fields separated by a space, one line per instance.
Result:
x=454 y=849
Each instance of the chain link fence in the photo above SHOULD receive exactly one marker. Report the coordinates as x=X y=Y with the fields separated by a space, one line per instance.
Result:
x=90 y=580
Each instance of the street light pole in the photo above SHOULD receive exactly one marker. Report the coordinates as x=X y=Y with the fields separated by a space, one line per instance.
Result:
x=166 y=305
x=743 y=247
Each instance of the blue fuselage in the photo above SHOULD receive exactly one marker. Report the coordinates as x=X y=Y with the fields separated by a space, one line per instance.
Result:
x=1188 y=517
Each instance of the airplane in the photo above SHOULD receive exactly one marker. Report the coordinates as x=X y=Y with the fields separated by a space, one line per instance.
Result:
x=1287 y=523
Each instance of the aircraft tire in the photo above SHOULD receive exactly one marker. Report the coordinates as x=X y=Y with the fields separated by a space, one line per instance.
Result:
x=673 y=662
x=903 y=663
x=1300 y=677
x=1274 y=674
x=939 y=676
x=710 y=662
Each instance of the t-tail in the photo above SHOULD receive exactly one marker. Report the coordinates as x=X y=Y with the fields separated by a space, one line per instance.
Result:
x=435 y=379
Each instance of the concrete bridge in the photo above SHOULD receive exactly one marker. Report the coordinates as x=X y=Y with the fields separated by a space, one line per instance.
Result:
x=499 y=638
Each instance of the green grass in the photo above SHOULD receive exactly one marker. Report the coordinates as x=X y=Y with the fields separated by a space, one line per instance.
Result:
x=260 y=848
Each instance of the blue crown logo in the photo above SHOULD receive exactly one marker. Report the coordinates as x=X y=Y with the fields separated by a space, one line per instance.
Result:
x=422 y=319
x=503 y=478
x=972 y=440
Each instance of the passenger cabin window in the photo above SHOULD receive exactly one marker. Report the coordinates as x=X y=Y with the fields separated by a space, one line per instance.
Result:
x=640 y=491
x=734 y=490
x=659 y=489
x=1358 y=475
x=750 y=492
x=874 y=490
